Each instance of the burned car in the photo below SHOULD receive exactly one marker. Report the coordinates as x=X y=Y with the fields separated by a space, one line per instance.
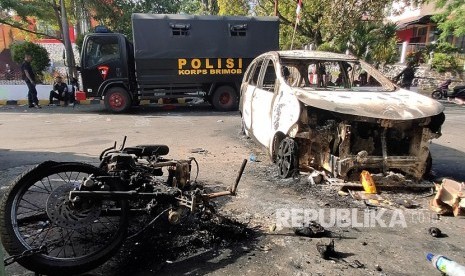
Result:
x=325 y=111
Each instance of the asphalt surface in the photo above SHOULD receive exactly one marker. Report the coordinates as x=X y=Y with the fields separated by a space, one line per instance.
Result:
x=30 y=136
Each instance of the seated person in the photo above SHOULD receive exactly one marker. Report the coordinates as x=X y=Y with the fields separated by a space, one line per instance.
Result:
x=59 y=92
x=74 y=87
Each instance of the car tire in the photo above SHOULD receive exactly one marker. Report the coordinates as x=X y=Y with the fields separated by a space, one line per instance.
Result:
x=225 y=98
x=117 y=100
x=287 y=157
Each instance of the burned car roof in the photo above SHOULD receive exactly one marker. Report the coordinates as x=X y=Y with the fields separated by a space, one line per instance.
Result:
x=390 y=103
x=299 y=54
x=398 y=105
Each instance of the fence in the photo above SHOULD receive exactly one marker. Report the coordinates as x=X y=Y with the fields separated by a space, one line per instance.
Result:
x=14 y=75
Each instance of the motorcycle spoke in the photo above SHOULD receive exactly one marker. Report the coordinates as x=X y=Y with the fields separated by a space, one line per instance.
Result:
x=44 y=188
x=49 y=184
x=62 y=178
x=34 y=205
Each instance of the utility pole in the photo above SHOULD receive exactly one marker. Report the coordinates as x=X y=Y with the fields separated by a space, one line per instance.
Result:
x=67 y=42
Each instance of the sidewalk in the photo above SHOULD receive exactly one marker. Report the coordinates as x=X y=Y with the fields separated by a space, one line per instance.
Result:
x=17 y=95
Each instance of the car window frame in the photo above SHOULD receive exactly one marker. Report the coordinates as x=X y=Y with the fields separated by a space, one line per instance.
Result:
x=265 y=64
x=258 y=67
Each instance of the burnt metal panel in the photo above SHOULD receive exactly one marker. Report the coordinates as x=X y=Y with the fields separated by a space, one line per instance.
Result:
x=397 y=105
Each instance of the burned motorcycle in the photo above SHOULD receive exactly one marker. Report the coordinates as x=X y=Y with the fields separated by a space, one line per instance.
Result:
x=67 y=217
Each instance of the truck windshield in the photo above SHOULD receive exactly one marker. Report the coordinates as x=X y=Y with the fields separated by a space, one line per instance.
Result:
x=101 y=50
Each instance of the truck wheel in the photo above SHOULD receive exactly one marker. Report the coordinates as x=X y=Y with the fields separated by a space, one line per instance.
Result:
x=117 y=100
x=225 y=98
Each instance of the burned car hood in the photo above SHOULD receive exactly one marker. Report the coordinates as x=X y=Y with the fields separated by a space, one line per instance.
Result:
x=397 y=105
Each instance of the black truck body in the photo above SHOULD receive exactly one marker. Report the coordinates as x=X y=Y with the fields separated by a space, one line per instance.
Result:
x=175 y=56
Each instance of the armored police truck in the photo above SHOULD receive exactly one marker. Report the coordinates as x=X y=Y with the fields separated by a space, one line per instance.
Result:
x=175 y=56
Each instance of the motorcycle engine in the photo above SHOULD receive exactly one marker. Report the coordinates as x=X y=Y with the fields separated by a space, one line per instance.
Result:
x=121 y=161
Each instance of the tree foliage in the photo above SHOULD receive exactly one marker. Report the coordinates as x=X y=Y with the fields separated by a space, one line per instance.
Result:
x=237 y=7
x=324 y=20
x=26 y=13
x=50 y=12
x=40 y=58
x=452 y=20
x=201 y=7
x=337 y=25
x=116 y=15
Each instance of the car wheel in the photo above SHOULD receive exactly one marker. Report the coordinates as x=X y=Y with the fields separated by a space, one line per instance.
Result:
x=287 y=158
x=117 y=100
x=225 y=98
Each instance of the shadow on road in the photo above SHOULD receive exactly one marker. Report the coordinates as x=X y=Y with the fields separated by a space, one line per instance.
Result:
x=158 y=110
x=12 y=159
x=448 y=162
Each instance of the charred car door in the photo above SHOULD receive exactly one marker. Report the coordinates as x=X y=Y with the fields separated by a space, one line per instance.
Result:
x=262 y=103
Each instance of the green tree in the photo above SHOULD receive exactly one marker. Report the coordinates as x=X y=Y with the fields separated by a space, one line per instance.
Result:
x=116 y=15
x=40 y=58
x=331 y=22
x=24 y=13
x=238 y=7
x=385 y=47
x=375 y=42
x=452 y=20
x=201 y=7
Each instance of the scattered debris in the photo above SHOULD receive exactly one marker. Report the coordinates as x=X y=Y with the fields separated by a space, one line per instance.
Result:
x=312 y=230
x=326 y=250
x=220 y=121
x=367 y=182
x=446 y=265
x=362 y=195
x=357 y=264
x=448 y=199
x=272 y=227
x=378 y=267
x=253 y=157
x=199 y=150
x=315 y=177
x=407 y=203
x=435 y=232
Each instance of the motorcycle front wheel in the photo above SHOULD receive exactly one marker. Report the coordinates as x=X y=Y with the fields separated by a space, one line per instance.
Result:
x=437 y=94
x=36 y=212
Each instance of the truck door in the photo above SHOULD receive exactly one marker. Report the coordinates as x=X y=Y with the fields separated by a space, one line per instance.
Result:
x=102 y=60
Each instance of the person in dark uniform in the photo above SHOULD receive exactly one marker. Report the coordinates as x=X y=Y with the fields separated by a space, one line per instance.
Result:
x=408 y=74
x=30 y=78
x=59 y=92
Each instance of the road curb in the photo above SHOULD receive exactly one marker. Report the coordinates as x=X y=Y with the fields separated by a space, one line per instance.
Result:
x=180 y=101
x=44 y=102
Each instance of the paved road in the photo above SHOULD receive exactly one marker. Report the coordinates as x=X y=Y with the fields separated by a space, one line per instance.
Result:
x=30 y=136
